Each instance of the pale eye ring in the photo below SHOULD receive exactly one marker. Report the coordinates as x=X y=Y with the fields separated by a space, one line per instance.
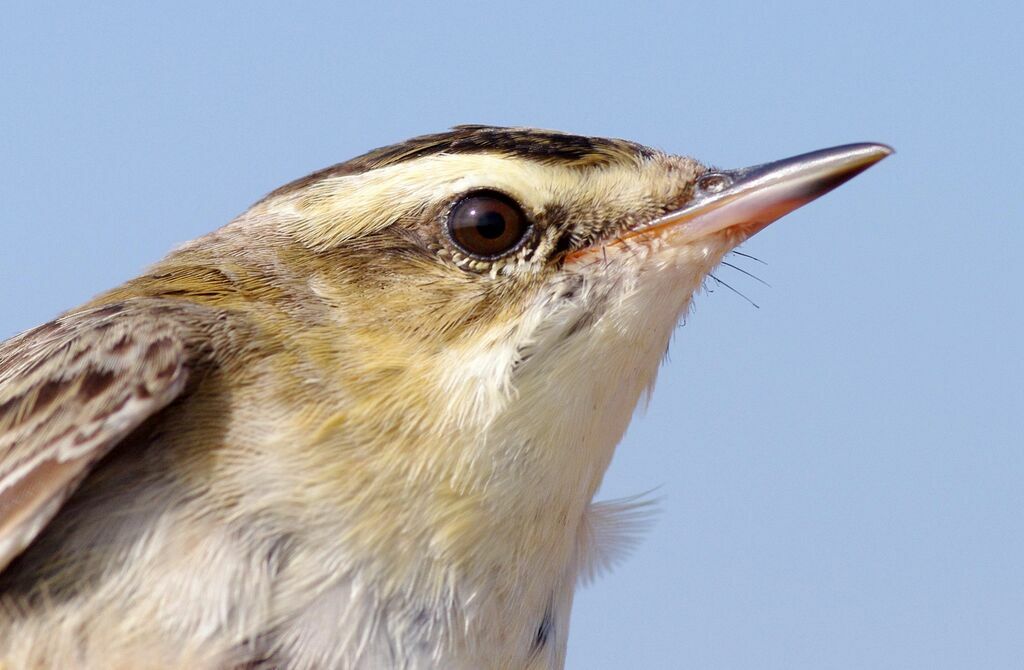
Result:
x=487 y=225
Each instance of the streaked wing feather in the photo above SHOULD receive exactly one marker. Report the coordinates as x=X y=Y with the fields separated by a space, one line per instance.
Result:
x=70 y=390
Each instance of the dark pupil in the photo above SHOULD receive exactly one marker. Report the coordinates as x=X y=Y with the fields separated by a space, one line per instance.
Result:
x=491 y=225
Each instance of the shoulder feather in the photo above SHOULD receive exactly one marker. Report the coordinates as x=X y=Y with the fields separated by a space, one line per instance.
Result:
x=70 y=390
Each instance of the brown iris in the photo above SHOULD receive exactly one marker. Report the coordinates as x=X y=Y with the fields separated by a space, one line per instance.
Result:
x=487 y=224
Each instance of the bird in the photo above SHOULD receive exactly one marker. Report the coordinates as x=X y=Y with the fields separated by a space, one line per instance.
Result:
x=363 y=424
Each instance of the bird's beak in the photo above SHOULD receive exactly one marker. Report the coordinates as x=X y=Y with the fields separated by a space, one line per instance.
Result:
x=749 y=199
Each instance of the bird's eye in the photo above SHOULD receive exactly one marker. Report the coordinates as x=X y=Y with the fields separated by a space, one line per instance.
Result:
x=487 y=224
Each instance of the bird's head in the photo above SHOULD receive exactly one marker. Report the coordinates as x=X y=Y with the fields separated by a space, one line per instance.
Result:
x=510 y=289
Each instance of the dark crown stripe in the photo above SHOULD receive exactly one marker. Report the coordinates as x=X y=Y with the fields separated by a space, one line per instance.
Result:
x=540 y=145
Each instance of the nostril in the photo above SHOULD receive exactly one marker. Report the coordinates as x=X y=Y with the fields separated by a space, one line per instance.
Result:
x=714 y=182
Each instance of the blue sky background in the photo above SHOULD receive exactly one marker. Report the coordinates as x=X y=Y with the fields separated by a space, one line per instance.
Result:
x=841 y=469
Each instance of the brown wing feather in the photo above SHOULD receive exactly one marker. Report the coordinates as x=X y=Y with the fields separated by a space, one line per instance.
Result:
x=69 y=391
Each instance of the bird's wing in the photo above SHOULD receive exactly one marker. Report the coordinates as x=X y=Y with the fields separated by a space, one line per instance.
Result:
x=70 y=390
